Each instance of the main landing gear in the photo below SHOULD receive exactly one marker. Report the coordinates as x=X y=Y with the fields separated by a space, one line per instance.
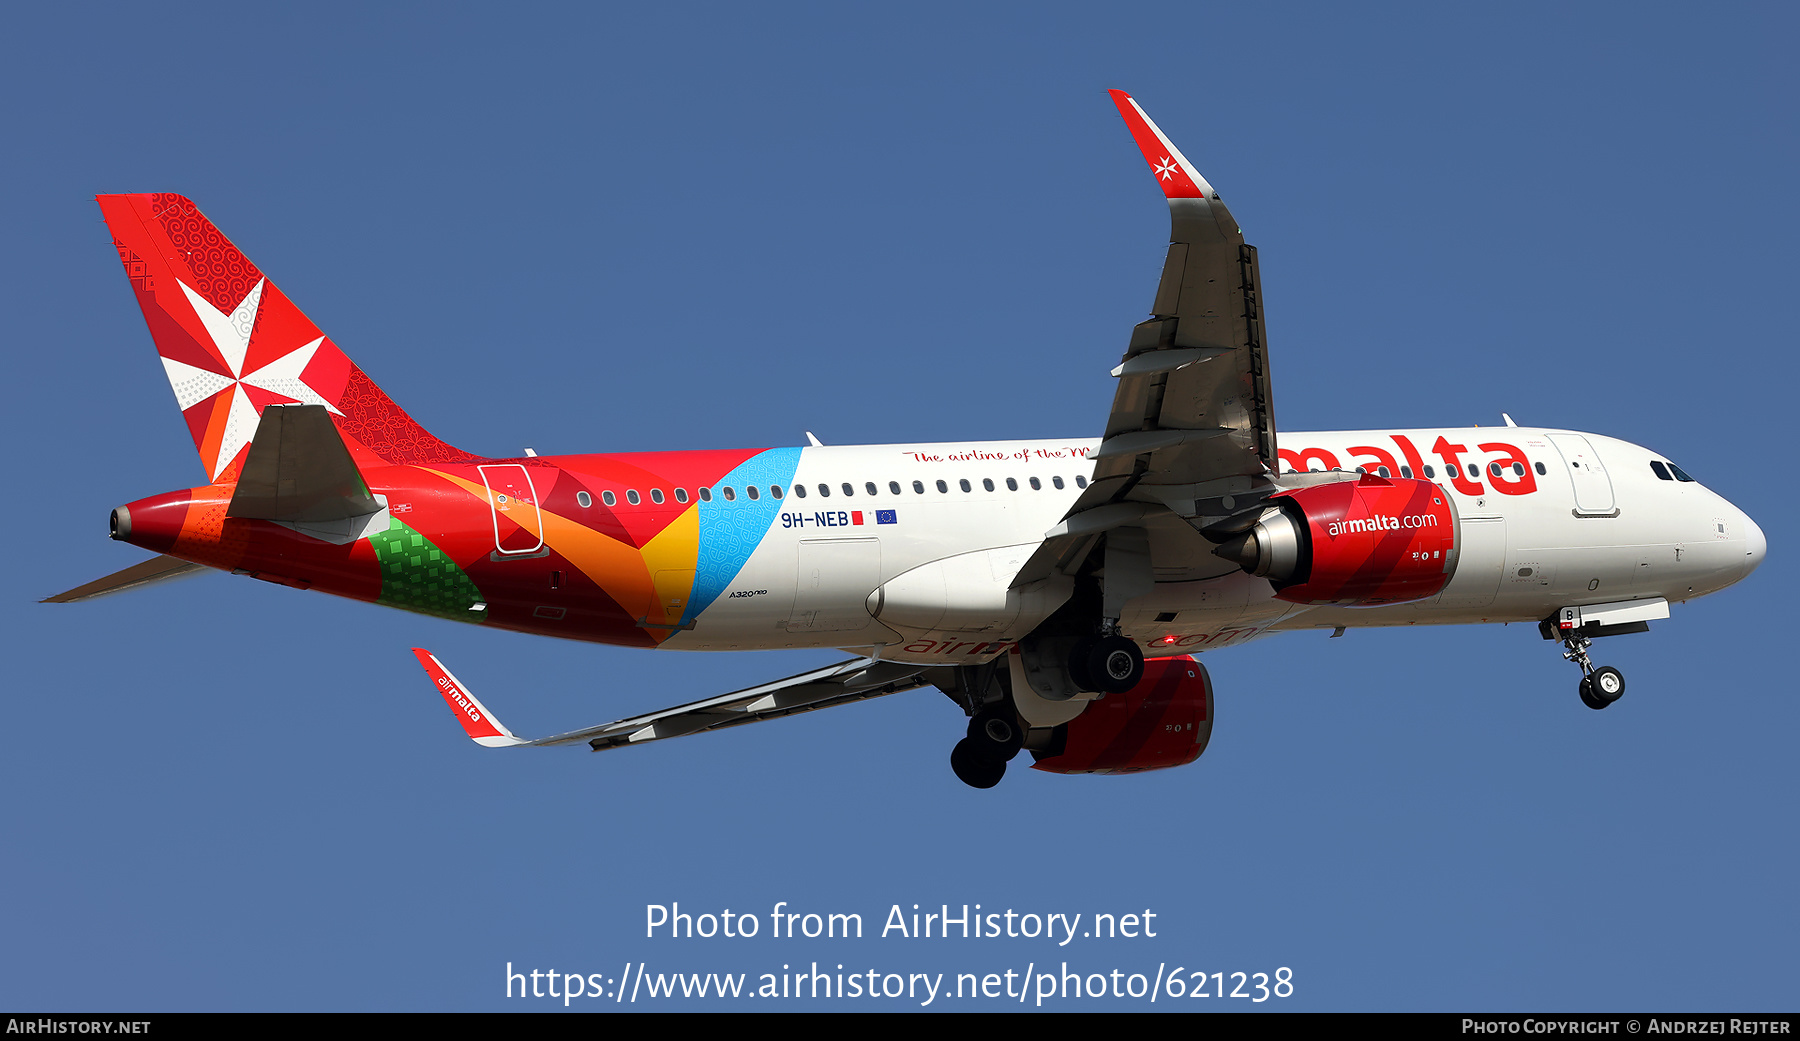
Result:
x=1110 y=664
x=1601 y=686
x=995 y=736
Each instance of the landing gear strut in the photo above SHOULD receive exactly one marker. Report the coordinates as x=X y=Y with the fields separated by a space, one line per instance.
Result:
x=1599 y=687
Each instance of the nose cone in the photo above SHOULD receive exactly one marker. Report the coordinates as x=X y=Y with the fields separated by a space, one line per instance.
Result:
x=1755 y=545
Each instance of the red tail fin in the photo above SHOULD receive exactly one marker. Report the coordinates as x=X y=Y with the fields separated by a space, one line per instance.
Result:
x=231 y=343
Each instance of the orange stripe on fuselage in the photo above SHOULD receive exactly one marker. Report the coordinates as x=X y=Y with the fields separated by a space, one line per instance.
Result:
x=618 y=568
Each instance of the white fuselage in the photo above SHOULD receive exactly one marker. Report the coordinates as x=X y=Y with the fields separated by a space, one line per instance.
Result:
x=1569 y=519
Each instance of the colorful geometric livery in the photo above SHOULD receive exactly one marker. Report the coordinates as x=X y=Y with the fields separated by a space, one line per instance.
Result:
x=561 y=558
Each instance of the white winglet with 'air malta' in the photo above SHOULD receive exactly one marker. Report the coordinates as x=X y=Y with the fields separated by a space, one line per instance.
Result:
x=1057 y=591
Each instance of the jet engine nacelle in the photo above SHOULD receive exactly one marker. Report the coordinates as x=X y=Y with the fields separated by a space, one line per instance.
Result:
x=1372 y=541
x=1164 y=721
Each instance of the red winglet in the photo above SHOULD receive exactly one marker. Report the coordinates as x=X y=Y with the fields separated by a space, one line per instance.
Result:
x=1174 y=174
x=472 y=714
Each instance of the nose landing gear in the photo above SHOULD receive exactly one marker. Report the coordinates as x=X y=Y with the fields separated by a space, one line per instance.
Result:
x=1577 y=628
x=1599 y=687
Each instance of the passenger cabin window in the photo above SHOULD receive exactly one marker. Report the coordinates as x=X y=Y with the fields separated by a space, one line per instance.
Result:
x=1474 y=471
x=1406 y=472
x=705 y=494
x=750 y=490
x=583 y=500
x=1012 y=485
x=609 y=498
x=987 y=483
x=730 y=493
x=942 y=487
x=849 y=489
x=1382 y=471
x=656 y=496
x=1037 y=485
x=869 y=486
x=1080 y=481
x=965 y=484
x=1494 y=469
x=894 y=486
x=1057 y=481
x=681 y=495
x=1430 y=472
x=800 y=490
x=631 y=496
x=1541 y=471
x=775 y=491
x=919 y=487
x=824 y=490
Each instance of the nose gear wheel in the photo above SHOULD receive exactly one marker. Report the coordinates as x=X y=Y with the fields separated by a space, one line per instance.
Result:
x=1600 y=686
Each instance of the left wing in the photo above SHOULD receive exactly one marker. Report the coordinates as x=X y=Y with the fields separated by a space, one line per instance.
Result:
x=856 y=680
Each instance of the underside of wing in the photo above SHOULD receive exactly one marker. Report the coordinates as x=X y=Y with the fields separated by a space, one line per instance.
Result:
x=856 y=680
x=1193 y=402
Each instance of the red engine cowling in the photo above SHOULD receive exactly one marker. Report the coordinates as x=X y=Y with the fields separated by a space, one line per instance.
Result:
x=1372 y=541
x=1164 y=721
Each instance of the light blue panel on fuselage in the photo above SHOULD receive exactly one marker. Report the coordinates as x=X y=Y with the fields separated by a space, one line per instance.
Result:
x=731 y=531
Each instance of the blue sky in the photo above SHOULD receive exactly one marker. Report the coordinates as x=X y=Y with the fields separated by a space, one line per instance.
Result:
x=590 y=229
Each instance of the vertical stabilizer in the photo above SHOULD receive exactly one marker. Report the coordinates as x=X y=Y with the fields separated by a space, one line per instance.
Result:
x=232 y=343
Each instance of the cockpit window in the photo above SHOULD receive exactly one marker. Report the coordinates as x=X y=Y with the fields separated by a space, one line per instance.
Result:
x=1661 y=471
x=1680 y=475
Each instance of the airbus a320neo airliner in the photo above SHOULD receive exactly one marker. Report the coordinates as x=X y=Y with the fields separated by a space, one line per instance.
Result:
x=1057 y=591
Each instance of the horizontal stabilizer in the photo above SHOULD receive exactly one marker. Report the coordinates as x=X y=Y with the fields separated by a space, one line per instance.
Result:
x=299 y=471
x=156 y=569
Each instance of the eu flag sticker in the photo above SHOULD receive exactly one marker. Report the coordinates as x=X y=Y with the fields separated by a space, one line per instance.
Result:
x=885 y=517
